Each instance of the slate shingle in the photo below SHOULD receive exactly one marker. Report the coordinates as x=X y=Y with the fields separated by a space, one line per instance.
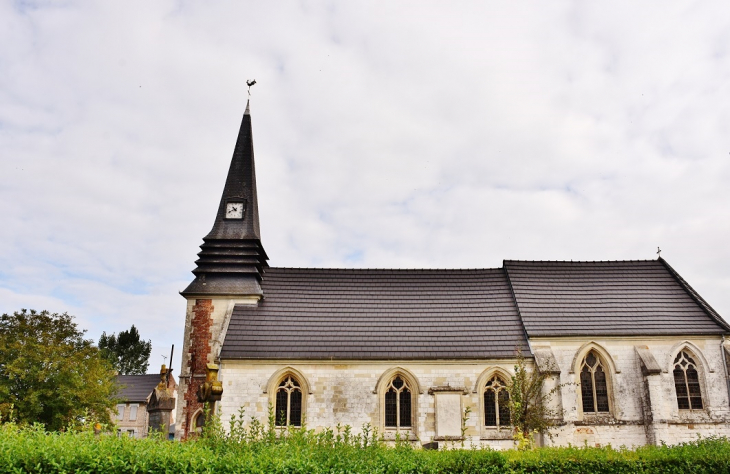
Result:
x=377 y=314
x=619 y=298
x=461 y=314
x=136 y=388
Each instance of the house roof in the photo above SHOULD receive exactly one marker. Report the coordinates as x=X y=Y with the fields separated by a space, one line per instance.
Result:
x=377 y=314
x=460 y=314
x=619 y=298
x=136 y=388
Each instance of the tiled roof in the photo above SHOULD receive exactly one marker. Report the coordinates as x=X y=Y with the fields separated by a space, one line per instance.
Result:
x=136 y=388
x=461 y=314
x=377 y=314
x=608 y=298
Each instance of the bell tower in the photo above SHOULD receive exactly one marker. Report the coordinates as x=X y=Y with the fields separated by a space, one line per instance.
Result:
x=229 y=269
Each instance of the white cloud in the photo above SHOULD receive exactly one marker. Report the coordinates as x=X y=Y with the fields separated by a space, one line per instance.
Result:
x=396 y=134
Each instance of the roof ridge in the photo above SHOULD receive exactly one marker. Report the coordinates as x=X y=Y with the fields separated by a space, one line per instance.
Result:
x=578 y=261
x=370 y=269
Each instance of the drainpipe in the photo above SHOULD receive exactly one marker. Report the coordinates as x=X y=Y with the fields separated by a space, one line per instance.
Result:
x=724 y=366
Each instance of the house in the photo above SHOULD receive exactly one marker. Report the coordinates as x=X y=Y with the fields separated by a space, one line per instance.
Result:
x=637 y=356
x=148 y=402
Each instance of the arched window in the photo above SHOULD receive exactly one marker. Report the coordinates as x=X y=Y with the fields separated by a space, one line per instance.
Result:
x=496 y=403
x=687 y=382
x=198 y=421
x=398 y=403
x=593 y=385
x=289 y=402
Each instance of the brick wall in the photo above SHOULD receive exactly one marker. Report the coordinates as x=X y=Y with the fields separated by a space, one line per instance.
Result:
x=205 y=322
x=197 y=353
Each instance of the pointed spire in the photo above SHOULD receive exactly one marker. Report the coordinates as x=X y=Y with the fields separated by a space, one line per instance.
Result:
x=240 y=188
x=232 y=259
x=248 y=111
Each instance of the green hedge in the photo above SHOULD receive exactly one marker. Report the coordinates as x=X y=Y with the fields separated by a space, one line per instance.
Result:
x=34 y=450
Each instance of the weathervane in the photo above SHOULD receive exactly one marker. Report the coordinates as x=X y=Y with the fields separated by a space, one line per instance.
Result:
x=249 y=84
x=659 y=252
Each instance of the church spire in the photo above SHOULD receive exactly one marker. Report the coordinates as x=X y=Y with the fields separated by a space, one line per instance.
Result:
x=232 y=259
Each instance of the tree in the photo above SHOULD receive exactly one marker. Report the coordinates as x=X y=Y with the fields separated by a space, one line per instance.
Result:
x=50 y=374
x=530 y=407
x=127 y=353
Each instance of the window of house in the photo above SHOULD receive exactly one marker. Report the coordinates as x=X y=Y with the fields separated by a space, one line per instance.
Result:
x=398 y=403
x=130 y=433
x=687 y=382
x=289 y=402
x=133 y=412
x=496 y=403
x=120 y=411
x=593 y=385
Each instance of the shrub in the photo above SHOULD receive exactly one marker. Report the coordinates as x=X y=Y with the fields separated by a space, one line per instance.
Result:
x=32 y=449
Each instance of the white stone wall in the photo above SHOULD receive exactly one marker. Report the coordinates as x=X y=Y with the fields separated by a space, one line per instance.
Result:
x=643 y=408
x=343 y=393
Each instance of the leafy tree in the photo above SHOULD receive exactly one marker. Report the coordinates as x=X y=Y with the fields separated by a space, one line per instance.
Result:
x=530 y=407
x=127 y=352
x=50 y=374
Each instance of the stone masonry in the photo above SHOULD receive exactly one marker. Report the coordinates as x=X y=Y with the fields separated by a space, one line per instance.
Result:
x=346 y=393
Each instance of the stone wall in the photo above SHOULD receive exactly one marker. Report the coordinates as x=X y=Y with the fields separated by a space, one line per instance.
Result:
x=347 y=394
x=138 y=425
x=643 y=407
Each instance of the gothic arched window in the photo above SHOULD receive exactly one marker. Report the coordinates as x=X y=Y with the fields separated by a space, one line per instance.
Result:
x=198 y=421
x=398 y=403
x=593 y=385
x=496 y=403
x=687 y=382
x=289 y=402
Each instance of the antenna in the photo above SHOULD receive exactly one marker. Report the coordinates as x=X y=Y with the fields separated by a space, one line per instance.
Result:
x=249 y=83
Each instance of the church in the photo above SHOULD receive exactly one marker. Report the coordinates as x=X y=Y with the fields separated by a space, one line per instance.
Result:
x=636 y=355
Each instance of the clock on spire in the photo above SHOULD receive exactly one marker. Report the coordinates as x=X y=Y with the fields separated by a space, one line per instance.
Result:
x=232 y=260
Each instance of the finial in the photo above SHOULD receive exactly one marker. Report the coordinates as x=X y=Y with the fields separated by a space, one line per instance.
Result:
x=249 y=84
x=659 y=252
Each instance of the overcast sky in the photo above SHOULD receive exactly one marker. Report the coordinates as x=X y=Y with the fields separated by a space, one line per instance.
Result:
x=387 y=134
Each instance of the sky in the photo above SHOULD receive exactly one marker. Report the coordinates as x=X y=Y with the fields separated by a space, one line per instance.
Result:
x=388 y=134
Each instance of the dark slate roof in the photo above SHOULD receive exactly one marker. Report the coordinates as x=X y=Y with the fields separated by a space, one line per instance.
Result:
x=232 y=257
x=619 y=298
x=136 y=388
x=377 y=314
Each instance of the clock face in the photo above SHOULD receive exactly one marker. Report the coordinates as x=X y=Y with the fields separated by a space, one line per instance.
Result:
x=234 y=210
